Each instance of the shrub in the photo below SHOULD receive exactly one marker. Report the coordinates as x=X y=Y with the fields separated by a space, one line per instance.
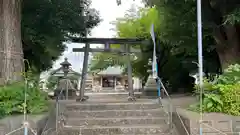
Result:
x=223 y=94
x=231 y=98
x=231 y=75
x=12 y=99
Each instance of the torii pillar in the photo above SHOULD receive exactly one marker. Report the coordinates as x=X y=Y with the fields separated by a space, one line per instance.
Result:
x=84 y=74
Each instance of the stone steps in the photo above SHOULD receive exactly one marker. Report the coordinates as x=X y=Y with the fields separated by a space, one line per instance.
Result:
x=115 y=121
x=112 y=106
x=114 y=117
x=113 y=113
x=116 y=130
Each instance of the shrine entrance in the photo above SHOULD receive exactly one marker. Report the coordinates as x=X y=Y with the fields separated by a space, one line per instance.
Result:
x=125 y=49
x=108 y=82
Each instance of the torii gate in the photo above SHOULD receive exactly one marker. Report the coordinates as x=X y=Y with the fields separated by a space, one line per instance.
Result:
x=125 y=48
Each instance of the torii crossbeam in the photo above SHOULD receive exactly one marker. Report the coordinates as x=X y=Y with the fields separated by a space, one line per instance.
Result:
x=125 y=48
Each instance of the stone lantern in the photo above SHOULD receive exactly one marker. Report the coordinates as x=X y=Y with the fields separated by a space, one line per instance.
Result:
x=65 y=67
x=150 y=88
x=65 y=88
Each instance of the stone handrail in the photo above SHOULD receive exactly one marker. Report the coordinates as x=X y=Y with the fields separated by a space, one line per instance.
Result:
x=170 y=114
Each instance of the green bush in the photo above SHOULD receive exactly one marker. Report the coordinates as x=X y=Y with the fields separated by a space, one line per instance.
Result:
x=223 y=94
x=231 y=75
x=12 y=99
x=230 y=95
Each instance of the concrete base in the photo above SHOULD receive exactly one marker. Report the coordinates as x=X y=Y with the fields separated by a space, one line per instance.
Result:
x=150 y=93
x=150 y=89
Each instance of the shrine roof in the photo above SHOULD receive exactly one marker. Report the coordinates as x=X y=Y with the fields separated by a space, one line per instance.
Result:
x=111 y=71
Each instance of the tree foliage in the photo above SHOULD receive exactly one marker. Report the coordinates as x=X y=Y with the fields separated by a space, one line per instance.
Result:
x=137 y=24
x=220 y=26
x=175 y=56
x=131 y=26
x=47 y=24
x=222 y=94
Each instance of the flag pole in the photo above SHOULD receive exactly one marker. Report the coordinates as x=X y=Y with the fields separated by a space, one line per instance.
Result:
x=200 y=59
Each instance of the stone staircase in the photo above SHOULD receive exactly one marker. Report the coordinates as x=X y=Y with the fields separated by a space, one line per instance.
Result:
x=116 y=117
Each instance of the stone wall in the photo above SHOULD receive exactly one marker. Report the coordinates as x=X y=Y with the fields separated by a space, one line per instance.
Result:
x=37 y=122
x=214 y=123
x=227 y=124
x=11 y=123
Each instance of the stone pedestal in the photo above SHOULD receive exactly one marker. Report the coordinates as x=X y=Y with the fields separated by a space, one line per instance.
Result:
x=150 y=88
x=62 y=95
x=65 y=90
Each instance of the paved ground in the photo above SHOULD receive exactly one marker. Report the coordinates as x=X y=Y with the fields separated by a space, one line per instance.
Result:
x=182 y=100
x=178 y=100
x=111 y=99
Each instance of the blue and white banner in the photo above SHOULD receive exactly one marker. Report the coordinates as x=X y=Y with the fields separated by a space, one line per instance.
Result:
x=154 y=59
x=154 y=62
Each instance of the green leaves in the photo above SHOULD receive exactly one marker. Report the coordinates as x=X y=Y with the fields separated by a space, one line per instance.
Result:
x=47 y=24
x=231 y=75
x=133 y=25
x=223 y=94
x=233 y=17
x=12 y=99
x=179 y=27
x=213 y=102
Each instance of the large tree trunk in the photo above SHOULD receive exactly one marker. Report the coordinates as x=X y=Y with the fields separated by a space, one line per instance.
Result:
x=11 y=54
x=228 y=45
x=226 y=35
x=228 y=57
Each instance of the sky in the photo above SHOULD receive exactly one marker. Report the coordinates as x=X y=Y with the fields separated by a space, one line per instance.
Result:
x=109 y=12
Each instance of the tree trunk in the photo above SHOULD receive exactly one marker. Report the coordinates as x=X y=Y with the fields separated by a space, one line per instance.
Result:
x=228 y=57
x=11 y=53
x=228 y=49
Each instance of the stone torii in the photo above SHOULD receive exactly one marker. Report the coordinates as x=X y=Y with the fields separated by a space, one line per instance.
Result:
x=107 y=42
